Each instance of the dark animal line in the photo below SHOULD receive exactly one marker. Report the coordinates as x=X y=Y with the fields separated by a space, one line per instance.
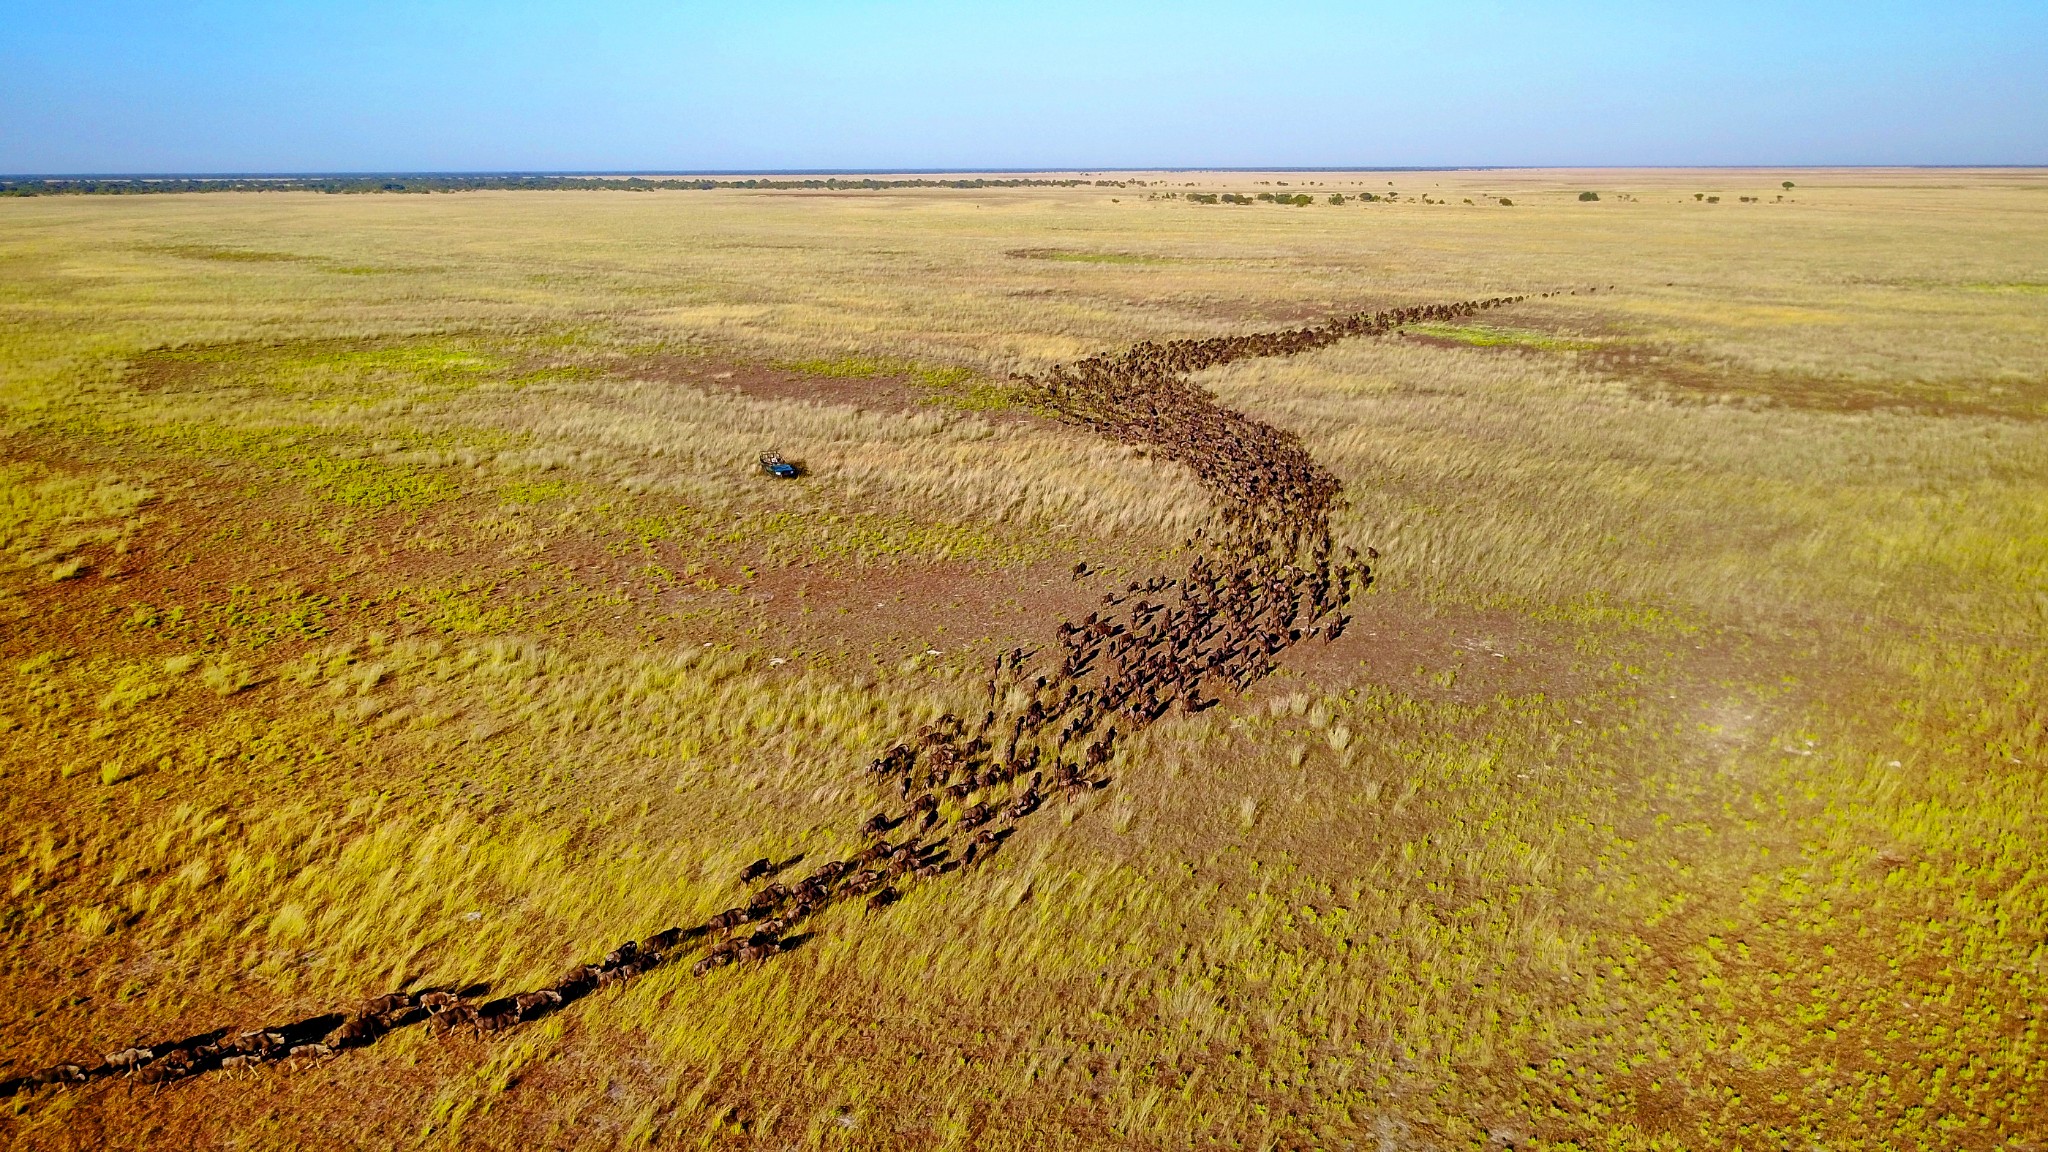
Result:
x=1051 y=723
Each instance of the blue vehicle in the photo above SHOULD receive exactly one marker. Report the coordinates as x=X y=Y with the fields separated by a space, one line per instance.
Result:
x=773 y=464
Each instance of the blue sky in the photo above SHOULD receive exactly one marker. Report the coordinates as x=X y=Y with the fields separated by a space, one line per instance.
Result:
x=236 y=86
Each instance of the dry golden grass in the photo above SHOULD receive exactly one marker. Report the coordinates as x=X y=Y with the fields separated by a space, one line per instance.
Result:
x=394 y=608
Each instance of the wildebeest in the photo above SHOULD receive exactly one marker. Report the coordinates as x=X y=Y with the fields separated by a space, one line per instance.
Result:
x=531 y=1004
x=497 y=1015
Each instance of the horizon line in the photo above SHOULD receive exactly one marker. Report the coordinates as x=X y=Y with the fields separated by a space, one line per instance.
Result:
x=830 y=172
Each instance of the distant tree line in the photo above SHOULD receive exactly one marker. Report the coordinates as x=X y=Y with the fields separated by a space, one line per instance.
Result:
x=360 y=185
x=1294 y=199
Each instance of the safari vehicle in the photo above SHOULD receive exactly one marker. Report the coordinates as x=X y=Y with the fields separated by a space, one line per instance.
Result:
x=774 y=465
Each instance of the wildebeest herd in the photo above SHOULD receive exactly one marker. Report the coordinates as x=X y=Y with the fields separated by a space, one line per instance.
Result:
x=1051 y=725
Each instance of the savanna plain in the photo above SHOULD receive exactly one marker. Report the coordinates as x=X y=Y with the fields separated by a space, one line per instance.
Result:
x=392 y=601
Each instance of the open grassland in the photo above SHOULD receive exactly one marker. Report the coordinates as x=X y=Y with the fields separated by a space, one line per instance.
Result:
x=389 y=602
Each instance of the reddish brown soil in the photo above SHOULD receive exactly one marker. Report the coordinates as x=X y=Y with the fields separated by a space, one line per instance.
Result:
x=765 y=382
x=905 y=609
x=880 y=393
x=1395 y=640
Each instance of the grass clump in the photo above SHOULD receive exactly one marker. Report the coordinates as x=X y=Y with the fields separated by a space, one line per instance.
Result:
x=47 y=517
x=227 y=677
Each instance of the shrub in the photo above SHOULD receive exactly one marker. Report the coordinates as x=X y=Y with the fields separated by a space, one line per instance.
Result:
x=1788 y=185
x=1589 y=195
x=226 y=677
x=1713 y=199
x=1336 y=197
x=93 y=921
x=1204 y=197
x=1506 y=203
x=1234 y=198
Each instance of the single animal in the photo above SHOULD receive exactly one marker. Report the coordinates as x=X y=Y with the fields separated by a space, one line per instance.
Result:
x=388 y=1002
x=130 y=1058
x=531 y=1004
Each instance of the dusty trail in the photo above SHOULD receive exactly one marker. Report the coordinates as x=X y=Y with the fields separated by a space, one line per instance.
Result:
x=1270 y=578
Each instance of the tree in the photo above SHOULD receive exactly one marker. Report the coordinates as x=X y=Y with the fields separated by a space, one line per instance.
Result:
x=1788 y=185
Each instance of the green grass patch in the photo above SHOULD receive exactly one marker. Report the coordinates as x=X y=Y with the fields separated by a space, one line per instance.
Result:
x=532 y=491
x=254 y=618
x=368 y=484
x=960 y=388
x=557 y=374
x=1480 y=336
x=847 y=367
x=948 y=386
x=232 y=255
x=225 y=255
x=1596 y=610
x=258 y=619
x=973 y=395
x=464 y=610
x=324 y=372
x=250 y=617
